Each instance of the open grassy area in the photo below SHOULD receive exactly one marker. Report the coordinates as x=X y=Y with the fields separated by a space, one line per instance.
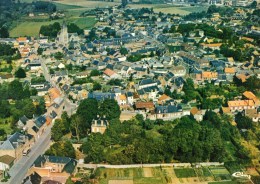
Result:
x=185 y=172
x=28 y=28
x=32 y=28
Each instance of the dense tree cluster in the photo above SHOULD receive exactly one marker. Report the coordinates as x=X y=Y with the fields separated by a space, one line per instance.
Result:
x=73 y=28
x=222 y=10
x=185 y=140
x=20 y=73
x=50 y=30
x=7 y=50
x=22 y=104
x=42 y=6
x=62 y=149
x=79 y=124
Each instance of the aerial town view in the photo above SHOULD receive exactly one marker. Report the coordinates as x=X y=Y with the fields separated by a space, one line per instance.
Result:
x=130 y=91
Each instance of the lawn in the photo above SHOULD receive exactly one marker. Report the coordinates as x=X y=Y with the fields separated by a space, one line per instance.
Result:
x=28 y=28
x=185 y=173
x=32 y=28
x=84 y=22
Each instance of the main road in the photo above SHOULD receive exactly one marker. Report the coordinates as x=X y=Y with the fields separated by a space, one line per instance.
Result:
x=21 y=167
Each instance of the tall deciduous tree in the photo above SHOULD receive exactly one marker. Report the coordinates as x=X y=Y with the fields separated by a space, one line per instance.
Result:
x=110 y=108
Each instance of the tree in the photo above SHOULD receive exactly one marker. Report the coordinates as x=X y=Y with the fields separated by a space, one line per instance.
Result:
x=123 y=51
x=58 y=55
x=20 y=73
x=73 y=28
x=253 y=5
x=76 y=124
x=88 y=110
x=58 y=130
x=62 y=149
x=50 y=30
x=124 y=3
x=110 y=108
x=4 y=109
x=94 y=73
x=243 y=122
x=4 y=32
x=97 y=86
x=40 y=51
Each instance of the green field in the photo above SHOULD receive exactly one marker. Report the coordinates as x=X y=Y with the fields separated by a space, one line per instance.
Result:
x=31 y=28
x=185 y=173
x=28 y=28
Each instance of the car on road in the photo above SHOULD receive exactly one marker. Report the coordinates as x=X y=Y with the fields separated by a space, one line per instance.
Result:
x=26 y=152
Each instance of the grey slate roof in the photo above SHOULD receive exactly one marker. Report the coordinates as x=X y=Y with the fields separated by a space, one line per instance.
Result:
x=13 y=141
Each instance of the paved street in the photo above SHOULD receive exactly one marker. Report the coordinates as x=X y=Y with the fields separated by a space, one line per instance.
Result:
x=19 y=170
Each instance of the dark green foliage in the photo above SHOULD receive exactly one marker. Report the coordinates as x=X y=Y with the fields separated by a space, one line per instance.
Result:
x=4 y=109
x=222 y=10
x=73 y=28
x=110 y=108
x=243 y=122
x=136 y=57
x=123 y=51
x=58 y=130
x=96 y=86
x=40 y=51
x=42 y=6
x=38 y=80
x=4 y=33
x=50 y=30
x=88 y=110
x=62 y=149
x=7 y=50
x=20 y=73
x=58 y=55
x=115 y=82
x=131 y=142
x=94 y=73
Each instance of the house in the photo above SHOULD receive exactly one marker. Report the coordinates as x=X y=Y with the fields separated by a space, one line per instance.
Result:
x=53 y=168
x=253 y=114
x=130 y=98
x=122 y=100
x=101 y=96
x=110 y=74
x=15 y=144
x=240 y=105
x=163 y=99
x=197 y=114
x=168 y=112
x=22 y=121
x=147 y=106
x=213 y=46
x=127 y=115
x=209 y=75
x=33 y=178
x=99 y=124
x=179 y=71
x=6 y=162
x=36 y=127
x=250 y=96
x=148 y=93
x=145 y=83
